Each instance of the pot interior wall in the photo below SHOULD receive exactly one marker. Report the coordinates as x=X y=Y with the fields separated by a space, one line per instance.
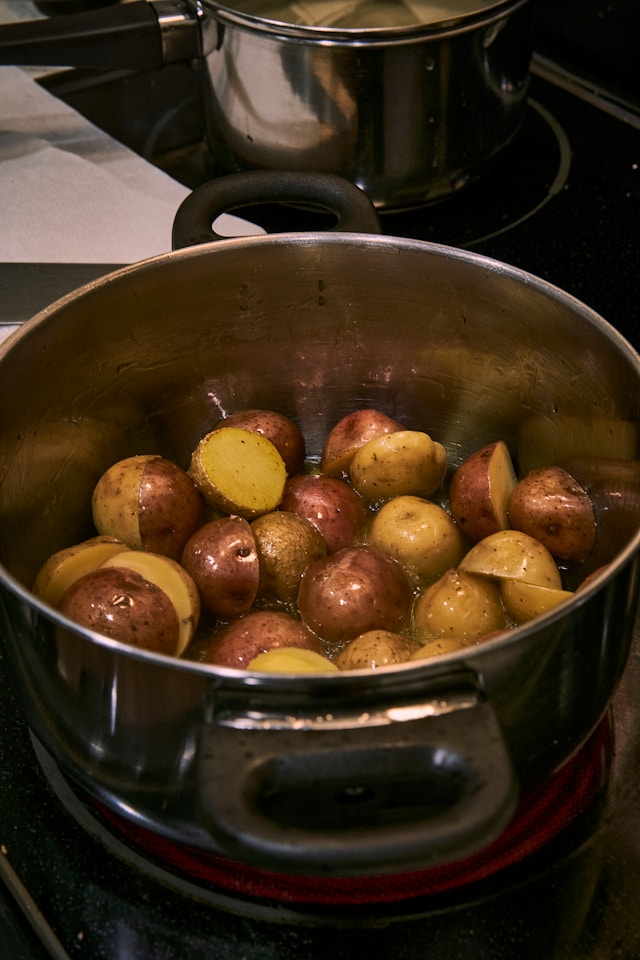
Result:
x=313 y=326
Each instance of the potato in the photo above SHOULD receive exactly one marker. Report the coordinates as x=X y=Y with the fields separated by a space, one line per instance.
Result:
x=459 y=605
x=333 y=507
x=147 y=502
x=286 y=544
x=376 y=648
x=524 y=601
x=237 y=644
x=550 y=505
x=66 y=566
x=125 y=606
x=238 y=471
x=512 y=555
x=352 y=591
x=350 y=433
x=172 y=579
x=284 y=434
x=419 y=534
x=222 y=559
x=480 y=489
x=291 y=660
x=403 y=463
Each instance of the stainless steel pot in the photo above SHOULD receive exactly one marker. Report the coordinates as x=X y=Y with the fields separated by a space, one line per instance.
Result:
x=410 y=112
x=357 y=773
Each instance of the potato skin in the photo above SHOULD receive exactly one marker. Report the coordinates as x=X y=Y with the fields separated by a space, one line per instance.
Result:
x=351 y=432
x=419 y=534
x=147 y=502
x=480 y=489
x=237 y=644
x=459 y=605
x=286 y=544
x=123 y=605
x=376 y=648
x=222 y=559
x=404 y=463
x=334 y=508
x=283 y=433
x=550 y=505
x=352 y=591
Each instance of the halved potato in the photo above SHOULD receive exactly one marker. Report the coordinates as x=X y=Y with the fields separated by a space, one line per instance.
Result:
x=173 y=579
x=66 y=566
x=349 y=434
x=512 y=555
x=480 y=489
x=524 y=601
x=239 y=471
x=291 y=660
x=407 y=462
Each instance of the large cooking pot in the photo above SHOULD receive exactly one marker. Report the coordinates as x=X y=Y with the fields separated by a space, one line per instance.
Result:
x=361 y=772
x=409 y=100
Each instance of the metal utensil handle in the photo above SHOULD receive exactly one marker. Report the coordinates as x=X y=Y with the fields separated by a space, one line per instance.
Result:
x=363 y=801
x=127 y=36
x=193 y=223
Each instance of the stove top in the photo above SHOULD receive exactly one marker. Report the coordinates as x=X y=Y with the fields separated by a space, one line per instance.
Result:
x=563 y=203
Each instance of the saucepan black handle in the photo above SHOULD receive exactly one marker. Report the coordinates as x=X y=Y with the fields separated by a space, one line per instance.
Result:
x=193 y=223
x=126 y=36
x=360 y=799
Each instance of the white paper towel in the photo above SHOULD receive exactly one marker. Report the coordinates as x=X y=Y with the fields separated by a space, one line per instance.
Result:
x=70 y=193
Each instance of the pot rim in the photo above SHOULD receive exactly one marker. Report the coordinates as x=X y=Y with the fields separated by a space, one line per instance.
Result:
x=487 y=13
x=441 y=664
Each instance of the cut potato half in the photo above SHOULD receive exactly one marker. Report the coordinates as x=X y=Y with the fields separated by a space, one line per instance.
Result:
x=512 y=555
x=170 y=577
x=524 y=601
x=66 y=566
x=480 y=490
x=239 y=471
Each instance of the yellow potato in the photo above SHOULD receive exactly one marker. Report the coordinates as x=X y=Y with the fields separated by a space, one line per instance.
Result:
x=550 y=505
x=291 y=660
x=376 y=648
x=459 y=605
x=286 y=543
x=512 y=555
x=66 y=566
x=407 y=462
x=524 y=601
x=239 y=471
x=419 y=534
x=173 y=580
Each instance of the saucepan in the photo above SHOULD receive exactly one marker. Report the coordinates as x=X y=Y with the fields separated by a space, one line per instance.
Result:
x=408 y=99
x=347 y=773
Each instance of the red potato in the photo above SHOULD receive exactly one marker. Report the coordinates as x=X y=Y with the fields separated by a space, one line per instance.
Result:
x=350 y=433
x=222 y=559
x=64 y=567
x=480 y=489
x=237 y=644
x=330 y=504
x=550 y=505
x=352 y=591
x=283 y=433
x=125 y=606
x=147 y=502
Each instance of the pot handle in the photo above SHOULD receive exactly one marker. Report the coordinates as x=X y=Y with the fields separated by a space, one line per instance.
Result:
x=198 y=211
x=358 y=800
x=129 y=36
